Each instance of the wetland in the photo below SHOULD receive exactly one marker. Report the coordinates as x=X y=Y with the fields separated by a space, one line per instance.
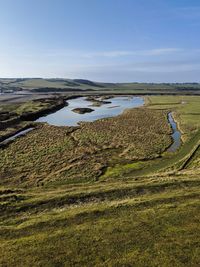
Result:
x=98 y=187
x=115 y=106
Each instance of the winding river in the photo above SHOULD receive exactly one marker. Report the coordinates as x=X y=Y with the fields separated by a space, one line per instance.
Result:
x=176 y=135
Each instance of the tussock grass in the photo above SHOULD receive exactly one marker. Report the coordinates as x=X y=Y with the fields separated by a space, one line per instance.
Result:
x=59 y=155
x=55 y=209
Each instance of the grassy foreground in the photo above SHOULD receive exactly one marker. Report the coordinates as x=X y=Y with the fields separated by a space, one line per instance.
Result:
x=152 y=222
x=144 y=211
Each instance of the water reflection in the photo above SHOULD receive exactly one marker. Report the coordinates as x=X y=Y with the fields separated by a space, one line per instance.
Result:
x=66 y=117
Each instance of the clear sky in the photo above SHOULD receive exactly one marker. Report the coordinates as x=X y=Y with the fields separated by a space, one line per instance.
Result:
x=102 y=40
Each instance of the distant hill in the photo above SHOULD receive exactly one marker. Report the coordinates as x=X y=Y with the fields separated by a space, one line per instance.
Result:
x=65 y=85
x=87 y=82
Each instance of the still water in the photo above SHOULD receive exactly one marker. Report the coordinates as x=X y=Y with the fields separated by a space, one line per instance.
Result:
x=176 y=136
x=66 y=117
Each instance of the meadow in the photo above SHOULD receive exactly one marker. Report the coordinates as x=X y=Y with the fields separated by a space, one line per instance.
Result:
x=104 y=193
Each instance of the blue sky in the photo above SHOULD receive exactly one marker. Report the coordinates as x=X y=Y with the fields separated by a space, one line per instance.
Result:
x=102 y=40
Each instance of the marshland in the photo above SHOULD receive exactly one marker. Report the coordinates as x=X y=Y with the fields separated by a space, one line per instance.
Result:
x=115 y=187
x=99 y=133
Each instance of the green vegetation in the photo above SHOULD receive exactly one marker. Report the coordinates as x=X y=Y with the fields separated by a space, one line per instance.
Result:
x=28 y=107
x=63 y=85
x=16 y=117
x=148 y=223
x=187 y=111
x=104 y=193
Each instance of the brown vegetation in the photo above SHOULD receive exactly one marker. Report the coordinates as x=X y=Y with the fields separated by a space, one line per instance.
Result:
x=77 y=154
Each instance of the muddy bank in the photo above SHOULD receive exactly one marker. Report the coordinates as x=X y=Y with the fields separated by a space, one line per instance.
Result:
x=12 y=123
x=16 y=129
x=98 y=101
x=9 y=119
x=82 y=110
x=55 y=105
x=11 y=138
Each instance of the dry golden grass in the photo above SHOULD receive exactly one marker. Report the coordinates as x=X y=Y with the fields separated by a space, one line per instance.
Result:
x=76 y=154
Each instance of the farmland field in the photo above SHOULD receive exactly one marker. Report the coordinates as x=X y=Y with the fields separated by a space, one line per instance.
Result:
x=106 y=192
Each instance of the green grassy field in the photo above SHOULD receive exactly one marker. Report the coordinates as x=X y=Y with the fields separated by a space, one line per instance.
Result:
x=152 y=222
x=105 y=193
x=187 y=110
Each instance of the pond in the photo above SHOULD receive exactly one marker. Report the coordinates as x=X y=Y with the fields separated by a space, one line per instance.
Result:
x=66 y=117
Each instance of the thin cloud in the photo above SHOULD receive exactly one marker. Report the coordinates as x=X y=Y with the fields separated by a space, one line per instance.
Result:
x=151 y=52
x=77 y=54
x=154 y=68
x=169 y=71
